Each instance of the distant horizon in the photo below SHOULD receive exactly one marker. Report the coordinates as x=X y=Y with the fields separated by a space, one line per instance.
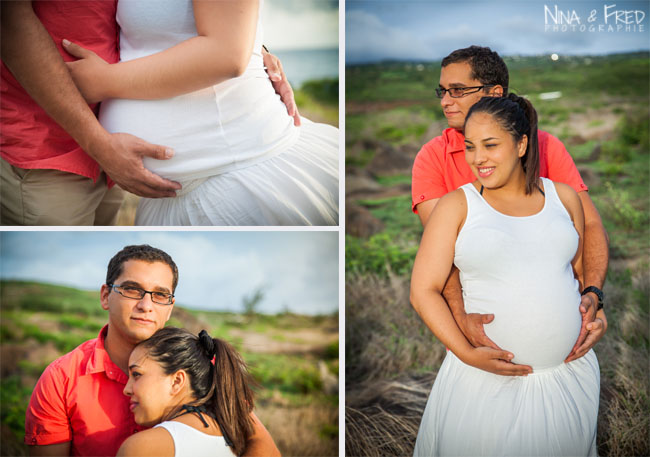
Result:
x=505 y=56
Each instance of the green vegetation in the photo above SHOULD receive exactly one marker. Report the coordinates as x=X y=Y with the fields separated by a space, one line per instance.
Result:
x=318 y=100
x=40 y=322
x=391 y=357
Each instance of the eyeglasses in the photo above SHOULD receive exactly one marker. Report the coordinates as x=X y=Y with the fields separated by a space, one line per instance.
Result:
x=136 y=293
x=459 y=92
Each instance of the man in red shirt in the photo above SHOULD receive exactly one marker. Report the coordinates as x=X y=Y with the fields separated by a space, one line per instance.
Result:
x=57 y=160
x=78 y=406
x=440 y=167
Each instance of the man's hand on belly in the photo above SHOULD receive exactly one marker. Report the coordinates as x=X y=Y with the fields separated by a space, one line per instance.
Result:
x=120 y=156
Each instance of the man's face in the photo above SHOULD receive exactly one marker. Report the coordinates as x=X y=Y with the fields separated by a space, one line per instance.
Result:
x=136 y=320
x=456 y=109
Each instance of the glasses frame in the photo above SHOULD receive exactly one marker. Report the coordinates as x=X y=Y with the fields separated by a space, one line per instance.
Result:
x=116 y=288
x=440 y=92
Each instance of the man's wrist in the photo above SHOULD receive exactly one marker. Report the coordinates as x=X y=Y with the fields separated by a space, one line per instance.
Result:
x=595 y=291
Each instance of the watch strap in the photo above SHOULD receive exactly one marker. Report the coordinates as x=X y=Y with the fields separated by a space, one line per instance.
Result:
x=598 y=292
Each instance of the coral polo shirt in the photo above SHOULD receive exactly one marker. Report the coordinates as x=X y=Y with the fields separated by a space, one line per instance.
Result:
x=30 y=138
x=79 y=398
x=440 y=166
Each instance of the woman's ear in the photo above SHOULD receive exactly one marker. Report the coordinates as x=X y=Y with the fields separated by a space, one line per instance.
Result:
x=179 y=381
x=522 y=146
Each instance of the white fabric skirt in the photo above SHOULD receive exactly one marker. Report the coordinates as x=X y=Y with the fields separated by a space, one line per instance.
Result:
x=552 y=412
x=299 y=186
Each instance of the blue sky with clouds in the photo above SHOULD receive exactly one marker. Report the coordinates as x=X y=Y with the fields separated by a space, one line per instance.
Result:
x=429 y=30
x=298 y=270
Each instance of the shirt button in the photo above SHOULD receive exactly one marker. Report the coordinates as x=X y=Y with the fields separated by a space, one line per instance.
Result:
x=421 y=197
x=34 y=440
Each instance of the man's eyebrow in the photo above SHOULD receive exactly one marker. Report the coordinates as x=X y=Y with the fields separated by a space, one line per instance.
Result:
x=457 y=85
x=138 y=285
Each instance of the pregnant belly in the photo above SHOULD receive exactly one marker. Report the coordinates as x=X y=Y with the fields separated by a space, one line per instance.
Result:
x=212 y=131
x=540 y=334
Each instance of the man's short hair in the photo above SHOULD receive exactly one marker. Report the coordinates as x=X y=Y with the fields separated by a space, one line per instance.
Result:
x=142 y=252
x=487 y=66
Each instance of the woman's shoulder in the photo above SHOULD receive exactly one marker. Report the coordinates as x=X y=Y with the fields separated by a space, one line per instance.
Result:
x=568 y=196
x=148 y=443
x=453 y=202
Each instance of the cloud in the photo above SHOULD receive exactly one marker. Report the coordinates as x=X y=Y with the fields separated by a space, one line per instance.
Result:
x=368 y=38
x=216 y=268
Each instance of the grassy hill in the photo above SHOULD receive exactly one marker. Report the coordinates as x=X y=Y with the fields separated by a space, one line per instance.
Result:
x=293 y=357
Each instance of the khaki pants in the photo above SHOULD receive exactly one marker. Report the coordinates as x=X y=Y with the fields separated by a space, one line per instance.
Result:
x=52 y=197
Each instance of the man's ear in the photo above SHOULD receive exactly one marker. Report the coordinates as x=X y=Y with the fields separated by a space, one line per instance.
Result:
x=496 y=91
x=179 y=381
x=103 y=295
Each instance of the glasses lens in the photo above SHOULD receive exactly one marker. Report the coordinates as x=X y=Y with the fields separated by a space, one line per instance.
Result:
x=131 y=292
x=440 y=93
x=161 y=298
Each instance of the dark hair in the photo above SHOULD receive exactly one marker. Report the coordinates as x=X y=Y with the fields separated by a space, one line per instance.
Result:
x=139 y=252
x=223 y=387
x=487 y=66
x=517 y=116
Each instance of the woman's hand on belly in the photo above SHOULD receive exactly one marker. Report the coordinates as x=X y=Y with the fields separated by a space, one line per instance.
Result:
x=495 y=361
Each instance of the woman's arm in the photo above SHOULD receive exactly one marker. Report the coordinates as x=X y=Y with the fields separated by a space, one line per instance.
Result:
x=226 y=34
x=430 y=271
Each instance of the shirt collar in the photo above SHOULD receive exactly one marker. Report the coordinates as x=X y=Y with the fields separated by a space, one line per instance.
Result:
x=100 y=361
x=455 y=141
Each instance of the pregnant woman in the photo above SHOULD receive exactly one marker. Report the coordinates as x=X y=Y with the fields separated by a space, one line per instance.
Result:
x=517 y=241
x=191 y=77
x=196 y=389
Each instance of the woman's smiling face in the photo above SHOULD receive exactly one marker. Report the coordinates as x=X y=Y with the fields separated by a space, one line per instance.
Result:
x=492 y=152
x=149 y=387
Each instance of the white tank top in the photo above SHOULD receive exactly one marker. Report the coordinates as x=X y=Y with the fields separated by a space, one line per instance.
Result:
x=519 y=269
x=214 y=130
x=190 y=442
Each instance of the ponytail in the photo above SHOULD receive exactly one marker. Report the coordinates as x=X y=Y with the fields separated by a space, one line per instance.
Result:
x=517 y=116
x=232 y=397
x=218 y=376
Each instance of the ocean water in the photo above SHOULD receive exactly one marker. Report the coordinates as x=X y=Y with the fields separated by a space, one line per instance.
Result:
x=306 y=64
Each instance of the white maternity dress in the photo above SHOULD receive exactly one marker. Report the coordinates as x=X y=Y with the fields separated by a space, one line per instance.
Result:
x=190 y=442
x=239 y=157
x=519 y=269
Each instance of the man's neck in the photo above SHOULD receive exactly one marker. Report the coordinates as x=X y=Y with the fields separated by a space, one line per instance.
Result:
x=118 y=350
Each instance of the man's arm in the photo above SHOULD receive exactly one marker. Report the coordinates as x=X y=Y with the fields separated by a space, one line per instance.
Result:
x=470 y=324
x=58 y=449
x=31 y=56
x=261 y=443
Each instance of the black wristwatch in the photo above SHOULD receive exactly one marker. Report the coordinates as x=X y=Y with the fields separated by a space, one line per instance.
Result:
x=598 y=292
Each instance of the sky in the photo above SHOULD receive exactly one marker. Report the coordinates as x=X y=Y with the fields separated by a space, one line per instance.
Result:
x=300 y=24
x=429 y=30
x=297 y=271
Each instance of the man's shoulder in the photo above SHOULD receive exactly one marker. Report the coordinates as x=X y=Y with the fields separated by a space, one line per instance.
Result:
x=73 y=362
x=548 y=141
x=440 y=144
